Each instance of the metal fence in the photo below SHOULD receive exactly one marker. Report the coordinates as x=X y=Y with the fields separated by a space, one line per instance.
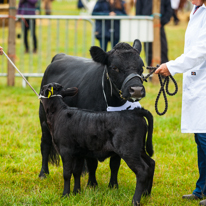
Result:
x=73 y=35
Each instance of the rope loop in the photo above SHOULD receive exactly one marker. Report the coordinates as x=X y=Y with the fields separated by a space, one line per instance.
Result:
x=163 y=90
x=167 y=86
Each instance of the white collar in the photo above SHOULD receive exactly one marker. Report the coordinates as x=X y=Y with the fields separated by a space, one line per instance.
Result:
x=127 y=106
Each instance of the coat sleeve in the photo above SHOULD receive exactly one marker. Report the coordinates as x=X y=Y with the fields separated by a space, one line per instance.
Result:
x=121 y=11
x=195 y=56
x=98 y=10
x=166 y=12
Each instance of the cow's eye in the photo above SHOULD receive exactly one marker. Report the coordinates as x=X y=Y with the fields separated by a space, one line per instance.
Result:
x=115 y=69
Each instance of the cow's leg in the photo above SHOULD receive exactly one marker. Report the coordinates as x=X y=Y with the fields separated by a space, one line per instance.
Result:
x=92 y=167
x=78 y=166
x=151 y=163
x=67 y=171
x=46 y=145
x=141 y=169
x=114 y=166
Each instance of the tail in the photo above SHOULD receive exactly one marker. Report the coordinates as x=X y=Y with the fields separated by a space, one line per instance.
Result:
x=149 y=146
x=54 y=156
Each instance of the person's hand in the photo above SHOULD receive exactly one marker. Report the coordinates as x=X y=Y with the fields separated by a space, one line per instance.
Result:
x=163 y=70
x=112 y=13
x=1 y=50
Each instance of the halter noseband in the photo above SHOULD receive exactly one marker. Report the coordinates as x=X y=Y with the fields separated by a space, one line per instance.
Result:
x=131 y=76
x=128 y=78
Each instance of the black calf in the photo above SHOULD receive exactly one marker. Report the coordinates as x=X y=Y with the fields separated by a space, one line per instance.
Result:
x=78 y=133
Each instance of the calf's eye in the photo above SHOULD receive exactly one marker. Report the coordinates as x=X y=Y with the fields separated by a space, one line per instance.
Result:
x=115 y=69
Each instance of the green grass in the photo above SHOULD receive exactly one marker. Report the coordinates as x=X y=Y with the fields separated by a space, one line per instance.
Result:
x=20 y=159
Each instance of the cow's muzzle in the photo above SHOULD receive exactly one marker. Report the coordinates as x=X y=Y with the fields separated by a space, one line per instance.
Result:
x=137 y=93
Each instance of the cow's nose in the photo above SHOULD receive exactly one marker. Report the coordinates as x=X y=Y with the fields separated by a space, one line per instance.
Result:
x=137 y=92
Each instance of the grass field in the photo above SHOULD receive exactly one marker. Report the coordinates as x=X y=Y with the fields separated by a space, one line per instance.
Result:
x=20 y=159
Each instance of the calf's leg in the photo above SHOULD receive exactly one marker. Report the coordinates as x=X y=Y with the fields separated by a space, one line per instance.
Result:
x=78 y=166
x=67 y=172
x=151 y=163
x=92 y=167
x=141 y=169
x=114 y=166
x=46 y=145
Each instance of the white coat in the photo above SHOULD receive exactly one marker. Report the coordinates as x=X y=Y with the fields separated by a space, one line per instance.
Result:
x=192 y=63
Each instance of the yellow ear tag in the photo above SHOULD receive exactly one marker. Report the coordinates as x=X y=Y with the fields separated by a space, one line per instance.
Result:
x=51 y=92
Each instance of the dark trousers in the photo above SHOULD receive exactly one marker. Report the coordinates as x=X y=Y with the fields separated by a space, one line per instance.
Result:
x=200 y=190
x=174 y=14
x=164 y=48
x=106 y=40
x=29 y=24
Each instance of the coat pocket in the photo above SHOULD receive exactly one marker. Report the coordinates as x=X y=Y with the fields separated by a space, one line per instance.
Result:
x=194 y=82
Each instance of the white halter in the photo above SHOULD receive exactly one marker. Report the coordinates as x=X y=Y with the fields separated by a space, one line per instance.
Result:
x=55 y=95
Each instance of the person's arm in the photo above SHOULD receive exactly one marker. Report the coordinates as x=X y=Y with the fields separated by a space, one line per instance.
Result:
x=1 y=50
x=98 y=10
x=187 y=61
x=121 y=11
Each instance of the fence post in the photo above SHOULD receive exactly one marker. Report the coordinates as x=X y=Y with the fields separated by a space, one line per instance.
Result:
x=156 y=47
x=11 y=43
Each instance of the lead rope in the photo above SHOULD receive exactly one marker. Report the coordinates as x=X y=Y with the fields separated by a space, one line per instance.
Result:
x=162 y=89
x=21 y=74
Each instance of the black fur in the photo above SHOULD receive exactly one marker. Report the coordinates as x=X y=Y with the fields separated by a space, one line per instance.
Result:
x=86 y=75
x=78 y=134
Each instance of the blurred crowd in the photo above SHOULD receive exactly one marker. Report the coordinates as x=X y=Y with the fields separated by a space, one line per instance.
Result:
x=169 y=10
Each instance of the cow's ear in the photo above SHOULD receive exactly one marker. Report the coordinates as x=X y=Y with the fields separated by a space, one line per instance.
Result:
x=98 y=55
x=69 y=92
x=137 y=45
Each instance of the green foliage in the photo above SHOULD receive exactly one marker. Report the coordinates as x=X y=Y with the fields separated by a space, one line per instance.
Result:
x=20 y=157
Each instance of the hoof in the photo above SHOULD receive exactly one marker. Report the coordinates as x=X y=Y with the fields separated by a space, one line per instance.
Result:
x=146 y=194
x=43 y=175
x=116 y=186
x=75 y=192
x=65 y=195
x=92 y=184
x=135 y=203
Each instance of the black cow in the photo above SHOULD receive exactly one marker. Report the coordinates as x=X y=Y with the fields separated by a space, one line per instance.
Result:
x=78 y=133
x=111 y=78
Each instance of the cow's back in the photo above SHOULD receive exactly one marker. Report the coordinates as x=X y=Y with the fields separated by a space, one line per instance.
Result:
x=83 y=73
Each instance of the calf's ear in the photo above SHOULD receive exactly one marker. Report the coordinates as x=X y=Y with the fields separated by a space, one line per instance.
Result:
x=47 y=92
x=137 y=45
x=98 y=55
x=69 y=92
